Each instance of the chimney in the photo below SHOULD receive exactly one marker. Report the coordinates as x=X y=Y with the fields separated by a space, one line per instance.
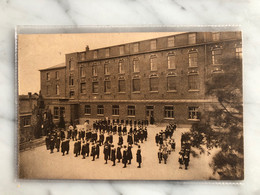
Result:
x=87 y=48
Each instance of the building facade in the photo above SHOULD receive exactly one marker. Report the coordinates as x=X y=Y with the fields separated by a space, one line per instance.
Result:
x=163 y=78
x=26 y=106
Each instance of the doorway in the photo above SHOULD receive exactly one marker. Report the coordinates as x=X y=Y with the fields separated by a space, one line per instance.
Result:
x=150 y=114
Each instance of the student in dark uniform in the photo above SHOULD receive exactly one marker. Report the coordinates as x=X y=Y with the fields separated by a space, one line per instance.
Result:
x=141 y=135
x=130 y=138
x=105 y=151
x=87 y=148
x=131 y=130
x=124 y=160
x=63 y=147
x=113 y=155
x=119 y=129
x=83 y=151
x=139 y=157
x=180 y=160
x=57 y=144
x=160 y=155
x=186 y=161
x=79 y=147
x=129 y=154
x=52 y=143
x=118 y=153
x=120 y=140
x=76 y=145
x=97 y=150
x=157 y=139
x=93 y=152
x=67 y=148
x=101 y=138
x=109 y=150
x=173 y=145
x=165 y=155
x=124 y=130
x=47 y=141
x=145 y=134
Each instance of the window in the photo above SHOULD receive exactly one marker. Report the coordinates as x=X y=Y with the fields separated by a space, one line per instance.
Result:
x=83 y=88
x=168 y=112
x=153 y=64
x=193 y=60
x=121 y=86
x=95 y=87
x=100 y=109
x=136 y=85
x=121 y=50
x=131 y=110
x=71 y=67
x=48 y=77
x=71 y=80
x=107 y=52
x=26 y=121
x=94 y=70
x=239 y=53
x=106 y=69
x=193 y=82
x=57 y=90
x=171 y=42
x=107 y=86
x=115 y=110
x=87 y=109
x=193 y=112
x=82 y=72
x=154 y=84
x=171 y=62
x=153 y=44
x=136 y=47
x=216 y=56
x=121 y=68
x=215 y=36
x=171 y=83
x=192 y=38
x=95 y=54
x=57 y=75
x=48 y=90
x=136 y=66
x=72 y=93
x=56 y=113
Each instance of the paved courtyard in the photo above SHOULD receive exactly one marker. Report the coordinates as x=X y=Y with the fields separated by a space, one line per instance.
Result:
x=38 y=163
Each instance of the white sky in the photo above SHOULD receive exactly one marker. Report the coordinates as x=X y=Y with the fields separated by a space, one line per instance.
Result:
x=39 y=51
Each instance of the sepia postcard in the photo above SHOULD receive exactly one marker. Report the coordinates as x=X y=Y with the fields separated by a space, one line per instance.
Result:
x=130 y=106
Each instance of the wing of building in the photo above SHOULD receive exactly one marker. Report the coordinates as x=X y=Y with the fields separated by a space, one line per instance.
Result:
x=162 y=79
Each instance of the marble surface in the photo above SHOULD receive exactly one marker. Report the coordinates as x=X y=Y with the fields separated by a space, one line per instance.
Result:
x=129 y=13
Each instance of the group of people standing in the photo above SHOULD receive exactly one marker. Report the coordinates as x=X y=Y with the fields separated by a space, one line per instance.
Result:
x=166 y=143
x=184 y=154
x=88 y=141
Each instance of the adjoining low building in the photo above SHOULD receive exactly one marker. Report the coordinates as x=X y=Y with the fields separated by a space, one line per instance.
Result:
x=26 y=106
x=163 y=78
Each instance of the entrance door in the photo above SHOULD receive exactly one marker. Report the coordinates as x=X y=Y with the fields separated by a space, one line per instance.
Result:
x=150 y=114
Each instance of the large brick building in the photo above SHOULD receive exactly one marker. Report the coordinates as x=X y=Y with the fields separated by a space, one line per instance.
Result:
x=162 y=77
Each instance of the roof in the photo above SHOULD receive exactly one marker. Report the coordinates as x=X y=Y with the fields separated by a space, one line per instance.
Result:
x=61 y=65
x=26 y=97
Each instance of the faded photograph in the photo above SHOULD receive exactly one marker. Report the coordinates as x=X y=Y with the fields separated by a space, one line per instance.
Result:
x=130 y=106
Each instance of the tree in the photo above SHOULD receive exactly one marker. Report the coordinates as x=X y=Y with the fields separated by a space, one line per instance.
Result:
x=221 y=126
